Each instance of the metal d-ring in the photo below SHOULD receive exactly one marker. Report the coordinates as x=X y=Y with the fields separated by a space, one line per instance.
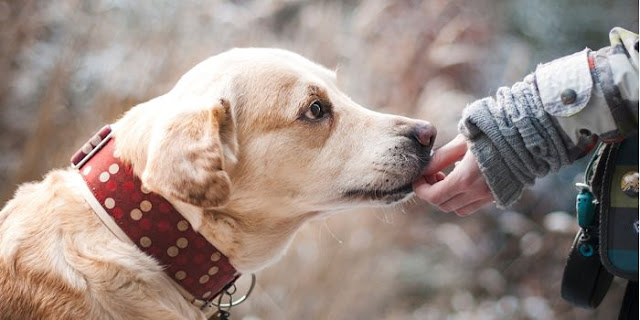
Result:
x=233 y=303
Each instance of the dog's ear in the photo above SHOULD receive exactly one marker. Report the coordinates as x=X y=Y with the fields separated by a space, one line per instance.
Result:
x=186 y=156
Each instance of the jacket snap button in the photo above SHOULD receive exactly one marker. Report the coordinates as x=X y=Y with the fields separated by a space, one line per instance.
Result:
x=585 y=132
x=629 y=184
x=568 y=96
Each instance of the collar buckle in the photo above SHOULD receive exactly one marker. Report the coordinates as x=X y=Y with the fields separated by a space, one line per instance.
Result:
x=223 y=309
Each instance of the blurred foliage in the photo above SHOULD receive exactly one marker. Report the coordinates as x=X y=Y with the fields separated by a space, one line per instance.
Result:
x=69 y=66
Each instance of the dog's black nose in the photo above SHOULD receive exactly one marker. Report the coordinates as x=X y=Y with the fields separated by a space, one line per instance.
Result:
x=425 y=133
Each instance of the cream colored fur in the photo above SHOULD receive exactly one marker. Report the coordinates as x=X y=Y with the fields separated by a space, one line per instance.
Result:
x=230 y=147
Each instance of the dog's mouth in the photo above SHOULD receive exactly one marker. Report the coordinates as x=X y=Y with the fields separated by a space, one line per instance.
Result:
x=387 y=195
x=397 y=190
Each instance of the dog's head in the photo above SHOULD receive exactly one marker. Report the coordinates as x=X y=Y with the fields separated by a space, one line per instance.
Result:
x=264 y=139
x=257 y=128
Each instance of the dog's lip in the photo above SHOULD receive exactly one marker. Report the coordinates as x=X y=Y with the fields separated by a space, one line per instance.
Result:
x=377 y=194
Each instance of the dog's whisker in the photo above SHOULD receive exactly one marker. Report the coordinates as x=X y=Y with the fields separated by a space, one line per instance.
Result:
x=387 y=215
x=333 y=235
x=402 y=208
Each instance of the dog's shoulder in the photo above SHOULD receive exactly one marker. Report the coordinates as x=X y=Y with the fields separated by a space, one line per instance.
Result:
x=58 y=261
x=30 y=294
x=28 y=226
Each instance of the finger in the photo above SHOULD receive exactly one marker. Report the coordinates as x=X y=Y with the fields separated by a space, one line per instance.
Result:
x=473 y=207
x=447 y=155
x=431 y=179
x=428 y=179
x=463 y=199
x=437 y=193
x=434 y=178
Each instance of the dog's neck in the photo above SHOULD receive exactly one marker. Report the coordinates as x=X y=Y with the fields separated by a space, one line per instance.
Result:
x=143 y=218
x=251 y=239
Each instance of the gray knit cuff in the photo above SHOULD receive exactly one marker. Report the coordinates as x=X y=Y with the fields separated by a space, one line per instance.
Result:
x=513 y=140
x=504 y=185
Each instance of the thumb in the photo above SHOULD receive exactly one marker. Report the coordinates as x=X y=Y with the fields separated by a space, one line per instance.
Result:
x=447 y=155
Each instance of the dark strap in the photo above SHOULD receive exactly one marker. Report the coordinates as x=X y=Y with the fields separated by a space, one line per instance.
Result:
x=585 y=281
x=629 y=309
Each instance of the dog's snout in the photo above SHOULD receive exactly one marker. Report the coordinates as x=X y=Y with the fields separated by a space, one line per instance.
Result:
x=425 y=133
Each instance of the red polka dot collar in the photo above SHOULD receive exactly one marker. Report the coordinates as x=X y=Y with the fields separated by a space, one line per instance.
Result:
x=150 y=222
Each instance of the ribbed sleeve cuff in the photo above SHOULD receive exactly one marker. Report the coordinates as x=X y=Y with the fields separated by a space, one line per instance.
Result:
x=504 y=186
x=513 y=140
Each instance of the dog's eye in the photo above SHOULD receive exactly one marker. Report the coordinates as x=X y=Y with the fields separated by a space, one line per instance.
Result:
x=316 y=111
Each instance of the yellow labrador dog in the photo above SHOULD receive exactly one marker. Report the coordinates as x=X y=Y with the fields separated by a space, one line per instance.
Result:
x=248 y=146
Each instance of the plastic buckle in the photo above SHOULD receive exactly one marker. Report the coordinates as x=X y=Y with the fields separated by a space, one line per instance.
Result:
x=585 y=206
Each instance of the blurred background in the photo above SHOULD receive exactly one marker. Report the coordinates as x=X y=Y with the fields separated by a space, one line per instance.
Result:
x=70 y=66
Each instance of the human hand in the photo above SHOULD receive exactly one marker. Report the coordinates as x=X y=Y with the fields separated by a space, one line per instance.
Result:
x=464 y=190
